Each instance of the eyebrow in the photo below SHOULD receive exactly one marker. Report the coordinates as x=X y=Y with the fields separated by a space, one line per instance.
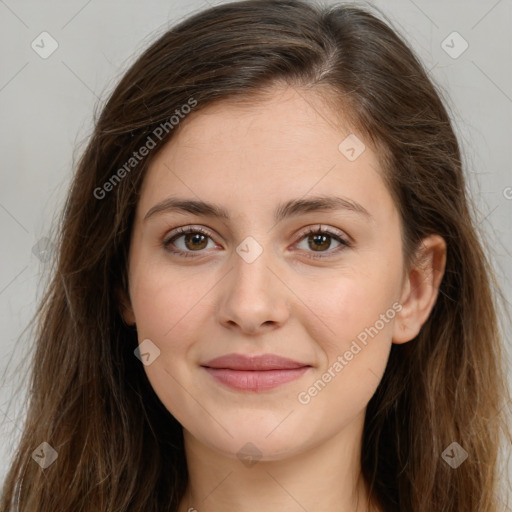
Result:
x=292 y=208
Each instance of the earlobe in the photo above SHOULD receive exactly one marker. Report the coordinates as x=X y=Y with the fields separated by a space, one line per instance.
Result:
x=125 y=308
x=420 y=290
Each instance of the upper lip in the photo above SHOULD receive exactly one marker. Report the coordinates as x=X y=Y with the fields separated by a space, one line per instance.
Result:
x=255 y=362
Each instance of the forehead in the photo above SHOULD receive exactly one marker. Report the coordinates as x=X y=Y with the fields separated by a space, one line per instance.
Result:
x=295 y=115
x=288 y=141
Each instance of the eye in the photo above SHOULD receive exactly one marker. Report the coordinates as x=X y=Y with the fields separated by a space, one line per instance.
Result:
x=319 y=240
x=194 y=240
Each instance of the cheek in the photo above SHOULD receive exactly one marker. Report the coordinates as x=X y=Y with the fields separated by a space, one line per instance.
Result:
x=357 y=316
x=360 y=312
x=342 y=309
x=164 y=301
x=167 y=310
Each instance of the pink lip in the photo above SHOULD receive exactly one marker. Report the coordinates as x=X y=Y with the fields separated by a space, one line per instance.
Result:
x=254 y=373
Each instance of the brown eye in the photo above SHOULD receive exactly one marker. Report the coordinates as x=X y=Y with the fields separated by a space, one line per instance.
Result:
x=320 y=241
x=195 y=241
x=186 y=241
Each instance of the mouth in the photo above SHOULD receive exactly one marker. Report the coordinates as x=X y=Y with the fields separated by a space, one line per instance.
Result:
x=254 y=373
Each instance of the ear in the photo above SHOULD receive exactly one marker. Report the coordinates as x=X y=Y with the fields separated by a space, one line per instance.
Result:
x=420 y=288
x=125 y=307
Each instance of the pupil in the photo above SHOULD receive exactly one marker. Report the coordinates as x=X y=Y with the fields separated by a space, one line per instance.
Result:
x=196 y=238
x=318 y=240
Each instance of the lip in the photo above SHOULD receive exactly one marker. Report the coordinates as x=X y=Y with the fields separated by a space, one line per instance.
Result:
x=254 y=373
x=261 y=362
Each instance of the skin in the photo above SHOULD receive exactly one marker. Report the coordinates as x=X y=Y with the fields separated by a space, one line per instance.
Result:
x=249 y=159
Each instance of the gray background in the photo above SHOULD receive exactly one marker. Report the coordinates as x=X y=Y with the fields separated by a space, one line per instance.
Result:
x=47 y=105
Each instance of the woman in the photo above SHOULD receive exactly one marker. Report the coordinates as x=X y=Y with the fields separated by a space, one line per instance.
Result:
x=270 y=293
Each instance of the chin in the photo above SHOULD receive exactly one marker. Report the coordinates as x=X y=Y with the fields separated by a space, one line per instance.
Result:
x=253 y=440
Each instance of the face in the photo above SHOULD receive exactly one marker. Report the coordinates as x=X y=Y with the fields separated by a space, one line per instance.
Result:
x=275 y=276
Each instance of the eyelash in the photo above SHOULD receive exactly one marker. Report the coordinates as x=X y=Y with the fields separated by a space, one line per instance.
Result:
x=311 y=231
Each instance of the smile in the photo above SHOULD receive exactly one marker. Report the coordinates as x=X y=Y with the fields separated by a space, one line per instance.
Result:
x=254 y=372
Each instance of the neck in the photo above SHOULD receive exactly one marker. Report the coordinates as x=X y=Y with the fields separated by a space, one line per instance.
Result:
x=325 y=477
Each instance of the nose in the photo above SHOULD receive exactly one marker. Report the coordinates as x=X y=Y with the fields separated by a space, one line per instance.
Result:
x=253 y=296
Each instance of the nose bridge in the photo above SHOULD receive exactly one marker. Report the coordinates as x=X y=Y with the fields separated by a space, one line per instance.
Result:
x=251 y=272
x=253 y=296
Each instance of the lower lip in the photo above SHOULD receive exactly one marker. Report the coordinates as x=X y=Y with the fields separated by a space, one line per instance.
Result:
x=254 y=380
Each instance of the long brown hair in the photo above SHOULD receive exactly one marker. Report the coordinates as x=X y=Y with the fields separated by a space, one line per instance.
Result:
x=118 y=448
